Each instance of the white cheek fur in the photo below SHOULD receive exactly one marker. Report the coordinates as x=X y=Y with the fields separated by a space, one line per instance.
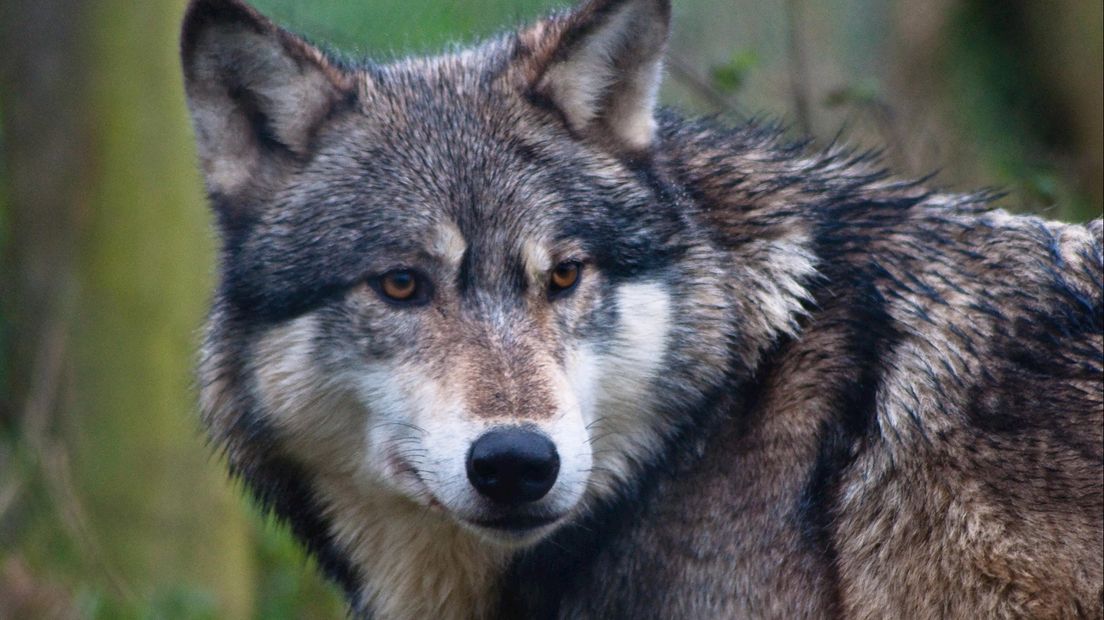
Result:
x=615 y=387
x=315 y=413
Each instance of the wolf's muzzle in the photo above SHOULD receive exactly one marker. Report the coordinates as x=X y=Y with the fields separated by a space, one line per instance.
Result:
x=513 y=466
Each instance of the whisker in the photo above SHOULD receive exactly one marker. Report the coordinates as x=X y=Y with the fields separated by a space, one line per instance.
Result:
x=591 y=440
x=413 y=427
x=408 y=449
x=596 y=421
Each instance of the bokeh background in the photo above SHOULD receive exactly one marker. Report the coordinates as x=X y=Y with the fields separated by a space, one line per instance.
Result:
x=111 y=506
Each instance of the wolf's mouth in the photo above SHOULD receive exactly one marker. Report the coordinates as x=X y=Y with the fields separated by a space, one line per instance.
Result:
x=515 y=524
x=405 y=469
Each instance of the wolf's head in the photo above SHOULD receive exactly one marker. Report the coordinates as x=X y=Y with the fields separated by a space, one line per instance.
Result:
x=458 y=283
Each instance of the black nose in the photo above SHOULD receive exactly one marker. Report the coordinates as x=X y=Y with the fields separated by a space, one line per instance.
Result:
x=513 y=466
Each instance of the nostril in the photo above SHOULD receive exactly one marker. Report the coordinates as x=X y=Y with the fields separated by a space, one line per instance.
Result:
x=513 y=466
x=484 y=468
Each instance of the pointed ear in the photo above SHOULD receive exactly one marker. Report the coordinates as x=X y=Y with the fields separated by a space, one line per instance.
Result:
x=601 y=65
x=257 y=93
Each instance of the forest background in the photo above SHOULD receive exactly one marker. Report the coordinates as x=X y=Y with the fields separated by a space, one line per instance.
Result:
x=111 y=506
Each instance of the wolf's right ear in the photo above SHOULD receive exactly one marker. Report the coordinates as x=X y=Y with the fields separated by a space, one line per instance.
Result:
x=600 y=66
x=256 y=92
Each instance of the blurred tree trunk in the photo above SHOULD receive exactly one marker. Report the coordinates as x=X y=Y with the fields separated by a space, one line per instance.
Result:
x=43 y=146
x=110 y=268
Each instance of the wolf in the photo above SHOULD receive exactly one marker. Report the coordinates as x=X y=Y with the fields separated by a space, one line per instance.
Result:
x=499 y=338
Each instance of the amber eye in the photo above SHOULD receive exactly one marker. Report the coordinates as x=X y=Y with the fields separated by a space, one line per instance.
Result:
x=399 y=285
x=564 y=277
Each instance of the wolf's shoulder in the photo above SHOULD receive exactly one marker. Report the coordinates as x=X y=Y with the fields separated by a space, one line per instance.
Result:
x=1016 y=268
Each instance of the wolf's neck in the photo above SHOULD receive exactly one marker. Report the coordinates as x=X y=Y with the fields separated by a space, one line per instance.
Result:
x=415 y=562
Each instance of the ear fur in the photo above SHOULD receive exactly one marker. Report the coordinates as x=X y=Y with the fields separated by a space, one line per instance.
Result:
x=256 y=92
x=601 y=67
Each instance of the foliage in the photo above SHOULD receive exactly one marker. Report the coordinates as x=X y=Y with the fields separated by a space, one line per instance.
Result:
x=730 y=77
x=1003 y=109
x=395 y=28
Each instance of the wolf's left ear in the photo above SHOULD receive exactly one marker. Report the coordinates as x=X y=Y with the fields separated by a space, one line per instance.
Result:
x=257 y=93
x=600 y=66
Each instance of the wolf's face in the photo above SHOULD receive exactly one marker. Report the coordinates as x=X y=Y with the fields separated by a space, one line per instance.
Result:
x=461 y=286
x=470 y=312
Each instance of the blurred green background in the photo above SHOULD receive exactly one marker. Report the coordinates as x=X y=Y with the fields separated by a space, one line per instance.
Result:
x=111 y=505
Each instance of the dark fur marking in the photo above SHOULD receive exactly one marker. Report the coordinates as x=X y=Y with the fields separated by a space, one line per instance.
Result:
x=543 y=102
x=203 y=13
x=281 y=486
x=258 y=121
x=871 y=335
